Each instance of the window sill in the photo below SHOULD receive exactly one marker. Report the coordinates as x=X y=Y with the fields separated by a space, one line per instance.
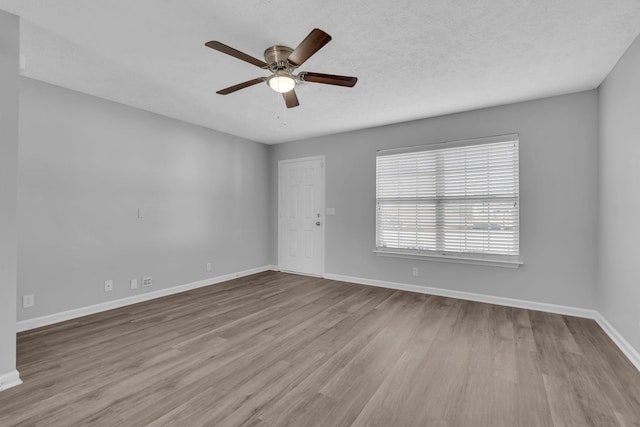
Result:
x=491 y=262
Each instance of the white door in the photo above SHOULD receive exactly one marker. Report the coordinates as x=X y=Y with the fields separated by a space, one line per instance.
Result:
x=300 y=218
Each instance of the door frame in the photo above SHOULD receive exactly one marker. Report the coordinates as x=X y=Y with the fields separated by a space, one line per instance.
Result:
x=322 y=209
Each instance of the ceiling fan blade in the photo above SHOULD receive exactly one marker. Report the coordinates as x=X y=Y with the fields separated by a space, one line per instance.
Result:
x=310 y=45
x=235 y=53
x=329 y=79
x=239 y=86
x=291 y=99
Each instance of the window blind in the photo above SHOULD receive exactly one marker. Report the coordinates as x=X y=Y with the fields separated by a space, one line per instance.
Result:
x=450 y=198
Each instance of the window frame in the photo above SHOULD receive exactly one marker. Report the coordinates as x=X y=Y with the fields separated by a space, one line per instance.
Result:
x=477 y=258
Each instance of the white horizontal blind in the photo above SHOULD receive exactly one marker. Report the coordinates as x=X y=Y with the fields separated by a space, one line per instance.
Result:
x=450 y=199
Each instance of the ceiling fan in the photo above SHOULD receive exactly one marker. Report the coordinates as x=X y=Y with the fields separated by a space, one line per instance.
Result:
x=282 y=61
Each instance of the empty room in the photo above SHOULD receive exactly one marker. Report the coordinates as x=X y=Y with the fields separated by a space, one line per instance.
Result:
x=270 y=213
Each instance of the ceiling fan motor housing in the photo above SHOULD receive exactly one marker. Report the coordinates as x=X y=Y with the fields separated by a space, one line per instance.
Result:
x=276 y=58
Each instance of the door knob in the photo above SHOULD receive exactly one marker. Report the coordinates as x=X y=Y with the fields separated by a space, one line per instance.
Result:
x=317 y=222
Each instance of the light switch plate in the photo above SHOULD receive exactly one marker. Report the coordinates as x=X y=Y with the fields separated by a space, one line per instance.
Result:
x=27 y=301
x=134 y=283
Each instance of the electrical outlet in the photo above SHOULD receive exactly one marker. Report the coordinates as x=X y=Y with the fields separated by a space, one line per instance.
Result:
x=147 y=281
x=27 y=301
x=108 y=285
x=134 y=283
x=416 y=272
x=208 y=266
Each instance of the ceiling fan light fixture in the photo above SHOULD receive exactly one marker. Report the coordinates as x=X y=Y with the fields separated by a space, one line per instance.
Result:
x=281 y=81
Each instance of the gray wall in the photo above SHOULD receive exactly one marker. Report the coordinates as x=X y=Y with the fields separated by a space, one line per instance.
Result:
x=9 y=87
x=86 y=166
x=558 y=187
x=619 y=283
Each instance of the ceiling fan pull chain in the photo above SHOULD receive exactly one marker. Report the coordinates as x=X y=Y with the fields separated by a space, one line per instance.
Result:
x=284 y=115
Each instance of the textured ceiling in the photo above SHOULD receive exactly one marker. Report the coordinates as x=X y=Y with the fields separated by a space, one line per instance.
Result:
x=413 y=58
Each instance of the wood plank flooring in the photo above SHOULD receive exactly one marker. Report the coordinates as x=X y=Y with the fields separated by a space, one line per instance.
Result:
x=276 y=349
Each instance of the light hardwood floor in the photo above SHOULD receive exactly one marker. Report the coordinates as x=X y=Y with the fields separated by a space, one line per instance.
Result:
x=276 y=349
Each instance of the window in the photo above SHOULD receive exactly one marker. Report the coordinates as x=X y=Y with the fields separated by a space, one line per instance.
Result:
x=456 y=199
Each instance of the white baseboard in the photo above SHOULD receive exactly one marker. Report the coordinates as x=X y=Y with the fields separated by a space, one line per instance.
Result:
x=10 y=379
x=509 y=302
x=624 y=345
x=37 y=322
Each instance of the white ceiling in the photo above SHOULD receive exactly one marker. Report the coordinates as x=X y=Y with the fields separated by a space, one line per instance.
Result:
x=413 y=58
